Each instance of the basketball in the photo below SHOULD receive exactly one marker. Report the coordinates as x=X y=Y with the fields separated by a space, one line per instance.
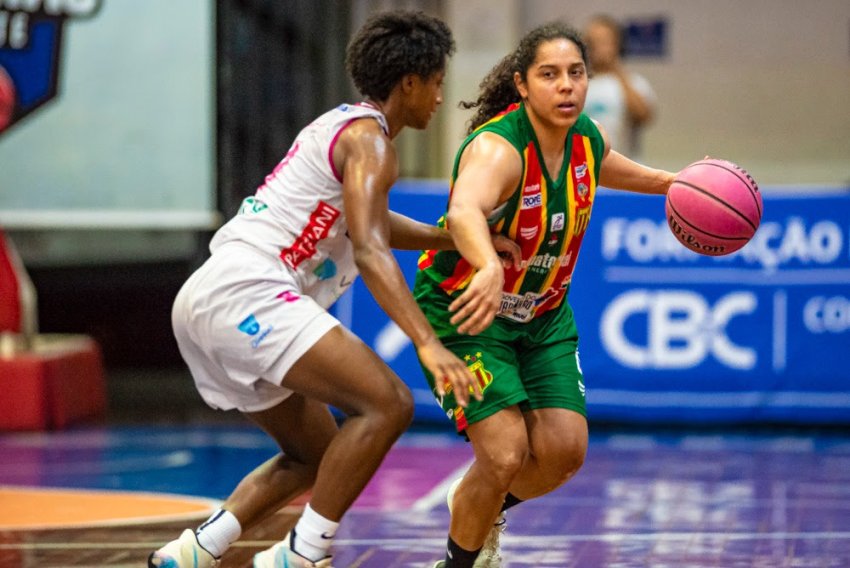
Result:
x=713 y=207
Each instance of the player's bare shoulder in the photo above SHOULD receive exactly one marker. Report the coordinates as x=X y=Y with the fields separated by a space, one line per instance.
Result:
x=364 y=141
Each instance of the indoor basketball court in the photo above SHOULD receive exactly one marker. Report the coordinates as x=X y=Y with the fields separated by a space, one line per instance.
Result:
x=714 y=321
x=642 y=499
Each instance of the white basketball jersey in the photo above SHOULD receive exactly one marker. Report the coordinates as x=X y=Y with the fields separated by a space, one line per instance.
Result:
x=297 y=215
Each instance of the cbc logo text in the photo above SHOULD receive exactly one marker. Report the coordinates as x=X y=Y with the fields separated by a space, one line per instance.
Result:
x=682 y=329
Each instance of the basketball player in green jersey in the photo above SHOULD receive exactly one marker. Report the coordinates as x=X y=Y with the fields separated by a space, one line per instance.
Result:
x=528 y=170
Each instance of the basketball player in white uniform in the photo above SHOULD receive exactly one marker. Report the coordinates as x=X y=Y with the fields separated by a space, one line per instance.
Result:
x=252 y=324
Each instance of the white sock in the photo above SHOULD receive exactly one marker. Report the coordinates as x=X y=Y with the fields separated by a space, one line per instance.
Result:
x=218 y=532
x=313 y=534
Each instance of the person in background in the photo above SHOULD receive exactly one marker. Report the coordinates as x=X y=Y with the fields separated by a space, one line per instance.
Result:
x=252 y=322
x=528 y=170
x=619 y=99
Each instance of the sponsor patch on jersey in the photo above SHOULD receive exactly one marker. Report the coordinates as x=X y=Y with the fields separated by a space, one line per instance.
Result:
x=325 y=270
x=318 y=228
x=532 y=201
x=528 y=233
x=518 y=307
x=250 y=326
x=558 y=220
x=581 y=170
x=288 y=296
x=252 y=205
x=582 y=189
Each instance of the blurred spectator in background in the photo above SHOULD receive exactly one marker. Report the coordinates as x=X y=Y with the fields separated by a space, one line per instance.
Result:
x=622 y=101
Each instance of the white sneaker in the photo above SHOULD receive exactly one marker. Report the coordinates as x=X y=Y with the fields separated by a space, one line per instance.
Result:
x=490 y=555
x=282 y=555
x=185 y=552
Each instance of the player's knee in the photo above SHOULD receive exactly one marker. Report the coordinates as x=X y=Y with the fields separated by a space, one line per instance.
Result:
x=560 y=465
x=505 y=466
x=404 y=408
x=395 y=411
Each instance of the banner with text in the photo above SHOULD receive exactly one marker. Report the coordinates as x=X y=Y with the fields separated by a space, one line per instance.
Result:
x=762 y=335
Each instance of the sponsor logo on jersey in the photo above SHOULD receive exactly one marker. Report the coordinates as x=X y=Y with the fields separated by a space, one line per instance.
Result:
x=546 y=261
x=532 y=201
x=288 y=296
x=528 y=233
x=581 y=170
x=318 y=228
x=250 y=326
x=516 y=307
x=325 y=270
x=582 y=189
x=550 y=293
x=252 y=205
x=529 y=189
x=582 y=219
x=558 y=220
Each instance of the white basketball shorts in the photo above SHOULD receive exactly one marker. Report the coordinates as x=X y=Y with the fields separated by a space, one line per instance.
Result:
x=241 y=323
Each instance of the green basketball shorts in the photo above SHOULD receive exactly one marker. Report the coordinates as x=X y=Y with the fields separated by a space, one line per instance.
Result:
x=533 y=365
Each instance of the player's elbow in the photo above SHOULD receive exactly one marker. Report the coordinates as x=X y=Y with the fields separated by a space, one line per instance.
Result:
x=457 y=214
x=368 y=256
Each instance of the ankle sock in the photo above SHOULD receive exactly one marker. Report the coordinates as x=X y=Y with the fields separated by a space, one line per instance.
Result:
x=218 y=532
x=510 y=501
x=313 y=534
x=457 y=557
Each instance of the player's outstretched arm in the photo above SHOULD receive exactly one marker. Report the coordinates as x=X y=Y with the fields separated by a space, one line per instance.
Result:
x=370 y=167
x=620 y=172
x=488 y=173
x=409 y=234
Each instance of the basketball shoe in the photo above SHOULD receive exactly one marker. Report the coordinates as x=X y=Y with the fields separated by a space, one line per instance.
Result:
x=490 y=555
x=185 y=552
x=282 y=555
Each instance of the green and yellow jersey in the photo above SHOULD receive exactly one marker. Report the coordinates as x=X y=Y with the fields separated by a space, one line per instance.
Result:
x=546 y=216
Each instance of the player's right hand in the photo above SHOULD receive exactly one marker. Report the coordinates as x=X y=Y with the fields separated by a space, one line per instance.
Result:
x=447 y=369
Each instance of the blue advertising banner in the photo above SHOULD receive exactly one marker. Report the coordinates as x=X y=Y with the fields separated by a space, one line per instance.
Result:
x=762 y=335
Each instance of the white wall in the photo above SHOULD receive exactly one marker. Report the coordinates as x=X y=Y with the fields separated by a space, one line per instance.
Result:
x=764 y=83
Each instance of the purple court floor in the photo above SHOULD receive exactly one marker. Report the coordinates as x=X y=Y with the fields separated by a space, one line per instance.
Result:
x=643 y=498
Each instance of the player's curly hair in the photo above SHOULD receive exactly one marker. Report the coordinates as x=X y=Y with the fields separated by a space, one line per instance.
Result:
x=498 y=90
x=392 y=44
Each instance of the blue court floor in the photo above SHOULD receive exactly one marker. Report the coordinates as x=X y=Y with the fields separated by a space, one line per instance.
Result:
x=643 y=499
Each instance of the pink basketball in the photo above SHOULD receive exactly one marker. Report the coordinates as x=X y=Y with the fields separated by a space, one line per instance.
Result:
x=714 y=207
